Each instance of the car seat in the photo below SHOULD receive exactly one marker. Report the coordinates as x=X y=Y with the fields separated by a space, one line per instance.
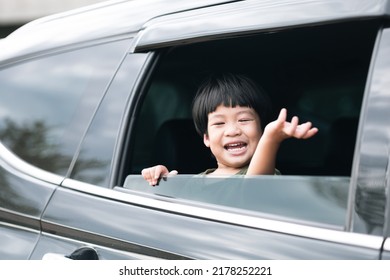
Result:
x=178 y=146
x=342 y=138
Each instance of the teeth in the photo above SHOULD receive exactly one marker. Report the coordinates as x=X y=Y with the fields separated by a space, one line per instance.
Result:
x=235 y=146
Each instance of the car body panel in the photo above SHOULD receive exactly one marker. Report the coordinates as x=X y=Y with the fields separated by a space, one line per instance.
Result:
x=23 y=199
x=17 y=243
x=73 y=213
x=371 y=198
x=60 y=246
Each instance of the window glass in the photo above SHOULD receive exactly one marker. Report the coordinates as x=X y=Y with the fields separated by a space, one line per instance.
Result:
x=309 y=199
x=94 y=160
x=46 y=104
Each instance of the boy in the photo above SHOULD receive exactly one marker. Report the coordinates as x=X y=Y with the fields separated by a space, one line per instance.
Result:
x=231 y=114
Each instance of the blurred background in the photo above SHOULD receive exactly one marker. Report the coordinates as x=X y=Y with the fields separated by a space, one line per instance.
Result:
x=15 y=13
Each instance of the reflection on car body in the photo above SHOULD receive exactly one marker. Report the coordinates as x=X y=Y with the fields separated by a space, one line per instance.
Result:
x=105 y=99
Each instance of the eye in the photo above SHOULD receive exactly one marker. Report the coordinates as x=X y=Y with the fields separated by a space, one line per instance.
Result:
x=218 y=123
x=245 y=120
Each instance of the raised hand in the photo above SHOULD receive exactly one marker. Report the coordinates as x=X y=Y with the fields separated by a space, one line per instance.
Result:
x=263 y=160
x=281 y=129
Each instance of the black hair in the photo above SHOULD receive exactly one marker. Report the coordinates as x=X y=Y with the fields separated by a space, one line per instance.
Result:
x=229 y=90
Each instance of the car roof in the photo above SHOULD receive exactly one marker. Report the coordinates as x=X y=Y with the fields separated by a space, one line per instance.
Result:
x=102 y=21
x=157 y=23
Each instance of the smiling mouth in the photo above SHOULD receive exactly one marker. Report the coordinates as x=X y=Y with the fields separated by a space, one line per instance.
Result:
x=235 y=147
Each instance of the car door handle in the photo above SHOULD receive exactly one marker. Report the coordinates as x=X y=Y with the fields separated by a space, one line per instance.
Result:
x=83 y=253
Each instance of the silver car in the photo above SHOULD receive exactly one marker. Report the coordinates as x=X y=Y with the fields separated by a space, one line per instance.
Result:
x=90 y=97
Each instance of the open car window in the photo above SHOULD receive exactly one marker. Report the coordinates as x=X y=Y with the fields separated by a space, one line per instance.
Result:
x=318 y=73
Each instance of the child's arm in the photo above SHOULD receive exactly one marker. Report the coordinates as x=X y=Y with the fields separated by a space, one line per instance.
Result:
x=263 y=160
x=155 y=173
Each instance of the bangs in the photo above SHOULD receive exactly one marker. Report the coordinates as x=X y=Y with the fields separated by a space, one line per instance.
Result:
x=228 y=90
x=230 y=95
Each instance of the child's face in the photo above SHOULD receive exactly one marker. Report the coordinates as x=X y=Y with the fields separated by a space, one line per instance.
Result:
x=233 y=135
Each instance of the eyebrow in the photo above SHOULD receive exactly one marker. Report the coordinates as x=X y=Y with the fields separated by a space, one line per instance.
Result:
x=244 y=111
x=249 y=111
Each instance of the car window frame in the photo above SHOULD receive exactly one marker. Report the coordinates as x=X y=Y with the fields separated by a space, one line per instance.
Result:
x=203 y=23
x=363 y=164
x=118 y=142
x=158 y=52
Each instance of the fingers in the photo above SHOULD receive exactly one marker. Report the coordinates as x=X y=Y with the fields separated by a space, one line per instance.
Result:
x=288 y=127
x=292 y=127
x=296 y=130
x=164 y=176
x=282 y=116
x=305 y=131
x=310 y=133
x=154 y=174
x=301 y=130
x=148 y=175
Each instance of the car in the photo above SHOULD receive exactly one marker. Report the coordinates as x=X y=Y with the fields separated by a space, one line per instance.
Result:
x=92 y=96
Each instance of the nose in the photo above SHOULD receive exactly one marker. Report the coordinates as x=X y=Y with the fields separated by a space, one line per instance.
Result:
x=232 y=129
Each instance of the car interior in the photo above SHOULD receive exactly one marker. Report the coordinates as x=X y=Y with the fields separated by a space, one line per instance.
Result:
x=318 y=73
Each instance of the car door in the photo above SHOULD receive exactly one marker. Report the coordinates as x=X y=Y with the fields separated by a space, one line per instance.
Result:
x=22 y=201
x=124 y=225
x=121 y=218
x=136 y=222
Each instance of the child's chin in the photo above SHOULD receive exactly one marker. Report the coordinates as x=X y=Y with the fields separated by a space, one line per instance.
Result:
x=239 y=164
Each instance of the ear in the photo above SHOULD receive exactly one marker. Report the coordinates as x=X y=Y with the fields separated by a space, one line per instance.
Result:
x=206 y=140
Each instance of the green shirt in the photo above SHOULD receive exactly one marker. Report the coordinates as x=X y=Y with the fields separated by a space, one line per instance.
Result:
x=241 y=172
